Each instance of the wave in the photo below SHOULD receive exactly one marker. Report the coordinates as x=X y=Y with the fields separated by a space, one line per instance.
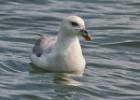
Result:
x=128 y=43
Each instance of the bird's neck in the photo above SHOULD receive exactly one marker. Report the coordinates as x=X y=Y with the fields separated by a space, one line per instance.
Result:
x=67 y=43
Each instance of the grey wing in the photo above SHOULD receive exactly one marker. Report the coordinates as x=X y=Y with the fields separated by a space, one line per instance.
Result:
x=43 y=44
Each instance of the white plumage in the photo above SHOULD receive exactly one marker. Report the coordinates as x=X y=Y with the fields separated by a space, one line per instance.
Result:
x=62 y=54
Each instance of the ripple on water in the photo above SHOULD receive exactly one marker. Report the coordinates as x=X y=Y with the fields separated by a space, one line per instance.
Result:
x=113 y=56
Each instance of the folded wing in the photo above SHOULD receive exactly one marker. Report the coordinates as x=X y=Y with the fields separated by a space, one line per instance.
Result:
x=43 y=45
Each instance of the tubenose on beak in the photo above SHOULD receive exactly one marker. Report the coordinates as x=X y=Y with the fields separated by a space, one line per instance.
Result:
x=85 y=35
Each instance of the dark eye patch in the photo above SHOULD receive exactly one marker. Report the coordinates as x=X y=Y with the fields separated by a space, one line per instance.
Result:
x=74 y=24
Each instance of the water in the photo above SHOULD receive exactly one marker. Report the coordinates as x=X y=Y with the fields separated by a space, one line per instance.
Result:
x=113 y=56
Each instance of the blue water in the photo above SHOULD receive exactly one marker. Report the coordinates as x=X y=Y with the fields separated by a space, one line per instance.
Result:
x=113 y=56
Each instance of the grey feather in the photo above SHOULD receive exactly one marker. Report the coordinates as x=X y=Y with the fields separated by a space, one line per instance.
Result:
x=37 y=49
x=43 y=44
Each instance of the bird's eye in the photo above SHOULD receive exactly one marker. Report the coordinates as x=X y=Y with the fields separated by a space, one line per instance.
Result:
x=74 y=24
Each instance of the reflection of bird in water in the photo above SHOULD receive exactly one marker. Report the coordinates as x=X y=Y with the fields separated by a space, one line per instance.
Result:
x=66 y=87
x=66 y=79
x=62 y=54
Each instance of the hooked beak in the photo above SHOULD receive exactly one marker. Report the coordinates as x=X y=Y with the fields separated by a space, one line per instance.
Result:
x=85 y=35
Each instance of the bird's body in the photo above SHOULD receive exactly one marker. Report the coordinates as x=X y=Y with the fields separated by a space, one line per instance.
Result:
x=61 y=54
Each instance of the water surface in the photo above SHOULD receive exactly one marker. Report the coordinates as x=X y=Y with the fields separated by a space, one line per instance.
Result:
x=113 y=56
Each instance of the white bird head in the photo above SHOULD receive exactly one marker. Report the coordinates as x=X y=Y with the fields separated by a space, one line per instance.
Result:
x=74 y=26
